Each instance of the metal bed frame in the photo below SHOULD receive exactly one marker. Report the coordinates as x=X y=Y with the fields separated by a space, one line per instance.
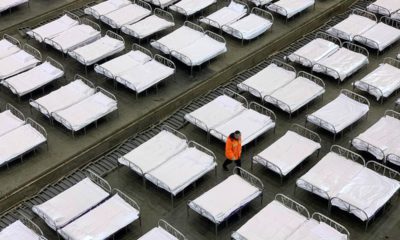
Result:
x=246 y=176
x=113 y=24
x=182 y=11
x=307 y=62
x=12 y=40
x=341 y=151
x=256 y=11
x=215 y=24
x=370 y=88
x=15 y=112
x=282 y=11
x=302 y=131
x=14 y=6
x=259 y=3
x=385 y=172
x=37 y=36
x=333 y=224
x=32 y=51
x=327 y=126
x=380 y=10
x=284 y=106
x=190 y=144
x=31 y=225
x=94 y=13
x=158 y=3
x=171 y=230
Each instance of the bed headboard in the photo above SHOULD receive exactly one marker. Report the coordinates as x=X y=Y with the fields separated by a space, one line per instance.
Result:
x=137 y=47
x=15 y=111
x=170 y=229
x=88 y=22
x=12 y=40
x=390 y=21
x=193 y=26
x=364 y=13
x=305 y=132
x=101 y=182
x=392 y=113
x=73 y=16
x=290 y=203
x=263 y=110
x=114 y=35
x=203 y=149
x=344 y=152
x=31 y=225
x=383 y=170
x=174 y=131
x=33 y=51
x=37 y=126
x=236 y=96
x=311 y=77
x=392 y=61
x=248 y=177
x=127 y=199
x=283 y=65
x=338 y=227
x=329 y=38
x=55 y=63
x=355 y=96
x=356 y=48
x=164 y=15
x=85 y=80
x=262 y=13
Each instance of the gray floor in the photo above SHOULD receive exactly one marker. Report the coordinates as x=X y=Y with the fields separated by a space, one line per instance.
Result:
x=155 y=203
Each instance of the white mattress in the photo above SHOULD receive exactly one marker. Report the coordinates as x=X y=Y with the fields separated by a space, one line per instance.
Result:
x=16 y=63
x=256 y=125
x=18 y=231
x=102 y=221
x=287 y=152
x=33 y=79
x=181 y=170
x=296 y=94
x=215 y=112
x=161 y=3
x=313 y=230
x=86 y=111
x=313 y=51
x=343 y=61
x=383 y=34
x=225 y=198
x=368 y=191
x=267 y=80
x=70 y=204
x=191 y=6
x=144 y=76
x=201 y=51
x=340 y=113
x=353 y=25
x=147 y=27
x=384 y=135
x=7 y=48
x=19 y=141
x=97 y=50
x=53 y=28
x=330 y=174
x=118 y=65
x=126 y=15
x=63 y=97
x=260 y=2
x=275 y=221
x=180 y=38
x=157 y=233
x=106 y=7
x=154 y=152
x=6 y=4
x=9 y=122
x=386 y=78
x=74 y=37
x=391 y=5
x=250 y=26
x=226 y=15
x=291 y=7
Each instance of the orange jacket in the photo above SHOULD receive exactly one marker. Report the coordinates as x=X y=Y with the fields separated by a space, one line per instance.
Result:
x=233 y=149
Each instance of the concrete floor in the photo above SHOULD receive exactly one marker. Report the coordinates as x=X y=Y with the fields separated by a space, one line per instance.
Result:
x=155 y=203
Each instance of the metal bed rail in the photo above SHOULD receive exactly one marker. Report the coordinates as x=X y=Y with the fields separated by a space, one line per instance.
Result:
x=348 y=154
x=283 y=65
x=383 y=170
x=250 y=178
x=12 y=40
x=368 y=147
x=84 y=80
x=170 y=229
x=312 y=78
x=174 y=132
x=333 y=224
x=393 y=158
x=130 y=201
x=137 y=47
x=328 y=37
x=292 y=204
x=164 y=15
x=305 y=132
x=99 y=181
x=236 y=96
x=31 y=225
x=380 y=10
x=15 y=111
x=365 y=14
x=193 y=26
x=32 y=51
x=355 y=96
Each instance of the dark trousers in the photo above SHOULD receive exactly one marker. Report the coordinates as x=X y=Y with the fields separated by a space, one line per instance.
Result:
x=228 y=161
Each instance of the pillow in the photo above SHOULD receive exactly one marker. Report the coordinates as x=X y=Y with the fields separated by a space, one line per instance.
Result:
x=23 y=56
x=237 y=7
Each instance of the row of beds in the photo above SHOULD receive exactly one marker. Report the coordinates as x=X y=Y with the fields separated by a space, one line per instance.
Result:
x=9 y=4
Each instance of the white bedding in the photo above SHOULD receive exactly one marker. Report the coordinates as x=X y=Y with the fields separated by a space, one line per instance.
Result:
x=344 y=63
x=250 y=27
x=9 y=122
x=314 y=230
x=287 y=153
x=368 y=191
x=53 y=28
x=386 y=78
x=382 y=34
x=201 y=51
x=226 y=15
x=275 y=221
x=126 y=15
x=154 y=152
x=18 y=231
x=225 y=198
x=191 y=7
x=296 y=94
x=63 y=97
x=86 y=111
x=260 y=2
x=19 y=141
x=70 y=204
x=181 y=170
x=161 y=3
x=147 y=27
x=268 y=80
x=180 y=38
x=7 y=4
x=97 y=50
x=215 y=112
x=118 y=65
x=157 y=233
x=255 y=125
x=353 y=25
x=102 y=221
x=33 y=79
x=330 y=174
x=390 y=5
x=384 y=135
x=16 y=63
x=290 y=7
x=313 y=52
x=7 y=48
x=106 y=7
x=340 y=113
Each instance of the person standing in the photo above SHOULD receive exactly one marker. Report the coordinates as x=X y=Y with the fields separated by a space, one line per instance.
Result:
x=233 y=150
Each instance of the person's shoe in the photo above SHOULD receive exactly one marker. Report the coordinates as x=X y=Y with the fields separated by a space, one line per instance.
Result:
x=225 y=169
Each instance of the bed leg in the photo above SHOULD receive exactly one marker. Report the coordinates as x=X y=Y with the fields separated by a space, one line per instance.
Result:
x=366 y=225
x=216 y=230
x=172 y=200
